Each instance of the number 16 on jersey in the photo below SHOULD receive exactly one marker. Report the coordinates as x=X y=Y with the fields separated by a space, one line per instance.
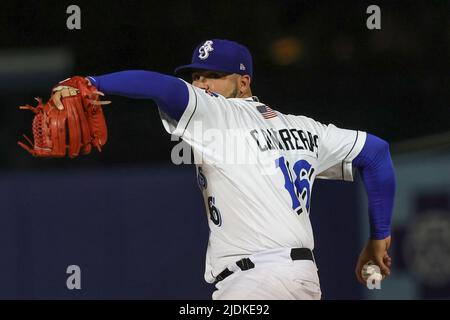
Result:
x=298 y=185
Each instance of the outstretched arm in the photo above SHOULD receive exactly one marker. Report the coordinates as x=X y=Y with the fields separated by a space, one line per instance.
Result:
x=377 y=171
x=170 y=93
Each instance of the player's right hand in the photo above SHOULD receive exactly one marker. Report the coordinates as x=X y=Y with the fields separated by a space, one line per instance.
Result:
x=377 y=251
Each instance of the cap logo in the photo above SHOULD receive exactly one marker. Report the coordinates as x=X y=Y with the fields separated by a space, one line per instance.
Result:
x=205 y=49
x=242 y=67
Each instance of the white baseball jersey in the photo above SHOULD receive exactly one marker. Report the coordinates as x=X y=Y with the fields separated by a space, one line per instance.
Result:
x=256 y=168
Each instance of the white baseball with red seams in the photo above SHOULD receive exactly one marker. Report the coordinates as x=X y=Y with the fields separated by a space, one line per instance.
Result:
x=372 y=270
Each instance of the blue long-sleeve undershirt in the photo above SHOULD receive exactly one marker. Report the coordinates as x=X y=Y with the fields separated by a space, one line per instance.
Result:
x=377 y=171
x=170 y=93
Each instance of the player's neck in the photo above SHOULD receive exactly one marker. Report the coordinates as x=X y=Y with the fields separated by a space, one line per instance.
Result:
x=244 y=95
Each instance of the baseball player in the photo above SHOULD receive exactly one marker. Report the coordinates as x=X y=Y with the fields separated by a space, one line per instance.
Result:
x=261 y=241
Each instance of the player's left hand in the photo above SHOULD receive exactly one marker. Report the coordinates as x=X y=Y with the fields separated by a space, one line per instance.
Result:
x=70 y=123
x=377 y=251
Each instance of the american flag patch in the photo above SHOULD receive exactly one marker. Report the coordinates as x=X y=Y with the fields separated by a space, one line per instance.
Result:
x=266 y=112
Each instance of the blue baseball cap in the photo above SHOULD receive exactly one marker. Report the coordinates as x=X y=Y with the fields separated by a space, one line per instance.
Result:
x=220 y=55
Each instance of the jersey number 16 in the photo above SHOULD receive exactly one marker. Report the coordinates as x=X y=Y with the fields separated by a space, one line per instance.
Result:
x=298 y=186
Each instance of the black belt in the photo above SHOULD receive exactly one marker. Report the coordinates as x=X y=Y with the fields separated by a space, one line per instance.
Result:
x=246 y=263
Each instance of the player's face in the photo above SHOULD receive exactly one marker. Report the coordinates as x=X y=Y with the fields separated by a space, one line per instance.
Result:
x=222 y=83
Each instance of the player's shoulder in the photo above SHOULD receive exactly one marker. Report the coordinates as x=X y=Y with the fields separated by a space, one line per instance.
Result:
x=245 y=101
x=255 y=106
x=303 y=120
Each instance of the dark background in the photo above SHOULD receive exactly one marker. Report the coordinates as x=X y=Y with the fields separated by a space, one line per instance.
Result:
x=133 y=221
x=392 y=82
x=139 y=233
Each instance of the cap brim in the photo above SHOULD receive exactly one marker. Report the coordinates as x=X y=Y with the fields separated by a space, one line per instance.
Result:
x=184 y=70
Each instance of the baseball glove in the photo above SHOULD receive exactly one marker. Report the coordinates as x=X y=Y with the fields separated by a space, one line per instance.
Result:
x=73 y=126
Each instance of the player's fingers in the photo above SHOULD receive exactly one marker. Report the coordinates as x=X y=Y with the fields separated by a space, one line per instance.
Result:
x=66 y=92
x=56 y=98
x=358 y=270
x=360 y=278
x=385 y=270
x=387 y=261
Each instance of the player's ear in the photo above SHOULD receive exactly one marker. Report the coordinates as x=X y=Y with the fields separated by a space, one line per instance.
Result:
x=244 y=84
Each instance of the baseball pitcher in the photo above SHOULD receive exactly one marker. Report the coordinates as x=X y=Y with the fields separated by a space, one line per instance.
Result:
x=256 y=166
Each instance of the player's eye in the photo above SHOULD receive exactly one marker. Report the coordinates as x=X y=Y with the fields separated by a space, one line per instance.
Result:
x=215 y=75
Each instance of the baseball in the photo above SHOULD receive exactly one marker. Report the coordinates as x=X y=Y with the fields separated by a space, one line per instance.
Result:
x=370 y=269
